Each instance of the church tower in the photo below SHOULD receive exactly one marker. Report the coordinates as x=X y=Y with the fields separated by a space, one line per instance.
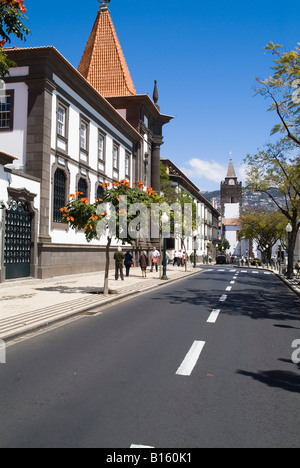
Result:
x=231 y=209
x=103 y=64
x=231 y=192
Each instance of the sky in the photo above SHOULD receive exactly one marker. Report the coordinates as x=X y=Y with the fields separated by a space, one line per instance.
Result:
x=205 y=56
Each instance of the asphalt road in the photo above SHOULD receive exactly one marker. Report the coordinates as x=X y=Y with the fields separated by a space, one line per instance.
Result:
x=204 y=362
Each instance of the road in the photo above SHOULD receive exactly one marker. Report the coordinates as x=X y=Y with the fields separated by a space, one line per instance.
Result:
x=204 y=362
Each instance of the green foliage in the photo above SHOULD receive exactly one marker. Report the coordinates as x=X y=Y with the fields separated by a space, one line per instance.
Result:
x=266 y=228
x=283 y=88
x=109 y=210
x=11 y=23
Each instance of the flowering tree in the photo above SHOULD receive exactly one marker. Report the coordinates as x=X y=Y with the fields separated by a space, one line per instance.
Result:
x=12 y=15
x=122 y=212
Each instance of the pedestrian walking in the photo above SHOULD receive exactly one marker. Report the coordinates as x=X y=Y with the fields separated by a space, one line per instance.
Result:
x=144 y=262
x=154 y=258
x=175 y=258
x=179 y=258
x=119 y=259
x=128 y=262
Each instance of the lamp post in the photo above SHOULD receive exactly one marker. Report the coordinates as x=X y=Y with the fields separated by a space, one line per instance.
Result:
x=164 y=220
x=290 y=260
x=195 y=233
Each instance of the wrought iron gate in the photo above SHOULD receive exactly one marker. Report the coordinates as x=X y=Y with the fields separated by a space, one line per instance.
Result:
x=17 y=250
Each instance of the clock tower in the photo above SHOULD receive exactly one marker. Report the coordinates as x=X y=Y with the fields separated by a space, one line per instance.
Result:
x=231 y=207
x=231 y=192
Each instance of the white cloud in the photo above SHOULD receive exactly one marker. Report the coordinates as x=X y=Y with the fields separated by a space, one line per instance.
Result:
x=212 y=171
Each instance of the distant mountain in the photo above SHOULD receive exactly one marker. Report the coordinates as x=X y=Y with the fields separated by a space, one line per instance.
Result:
x=250 y=199
x=210 y=195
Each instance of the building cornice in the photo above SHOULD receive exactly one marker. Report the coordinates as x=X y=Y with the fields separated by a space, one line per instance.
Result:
x=44 y=61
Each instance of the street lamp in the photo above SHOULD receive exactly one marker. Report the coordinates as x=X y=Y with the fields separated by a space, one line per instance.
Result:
x=290 y=260
x=165 y=220
x=195 y=233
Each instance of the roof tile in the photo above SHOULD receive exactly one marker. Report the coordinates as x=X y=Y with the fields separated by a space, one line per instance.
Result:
x=103 y=63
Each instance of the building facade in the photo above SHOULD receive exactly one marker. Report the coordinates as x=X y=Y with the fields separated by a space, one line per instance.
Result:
x=61 y=132
x=104 y=66
x=208 y=217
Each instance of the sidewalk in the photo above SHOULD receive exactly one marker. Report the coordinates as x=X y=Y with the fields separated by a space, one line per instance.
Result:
x=28 y=305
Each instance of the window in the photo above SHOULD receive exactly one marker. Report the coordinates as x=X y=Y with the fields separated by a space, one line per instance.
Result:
x=59 y=194
x=6 y=110
x=83 y=135
x=100 y=147
x=127 y=165
x=83 y=187
x=61 y=120
x=100 y=192
x=115 y=157
x=145 y=174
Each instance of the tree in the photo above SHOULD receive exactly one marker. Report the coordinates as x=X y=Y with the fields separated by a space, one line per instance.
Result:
x=12 y=16
x=225 y=245
x=283 y=88
x=122 y=213
x=278 y=165
x=274 y=168
x=266 y=228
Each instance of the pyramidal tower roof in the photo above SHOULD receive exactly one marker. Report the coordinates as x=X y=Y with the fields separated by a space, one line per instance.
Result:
x=231 y=172
x=103 y=63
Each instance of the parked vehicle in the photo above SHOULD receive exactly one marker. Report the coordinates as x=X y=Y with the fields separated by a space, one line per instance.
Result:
x=221 y=259
x=255 y=261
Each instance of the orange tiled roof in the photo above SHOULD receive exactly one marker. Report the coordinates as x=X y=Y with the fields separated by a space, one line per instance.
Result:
x=103 y=63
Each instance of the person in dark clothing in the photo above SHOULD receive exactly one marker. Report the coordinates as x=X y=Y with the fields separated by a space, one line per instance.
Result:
x=128 y=262
x=144 y=262
x=119 y=259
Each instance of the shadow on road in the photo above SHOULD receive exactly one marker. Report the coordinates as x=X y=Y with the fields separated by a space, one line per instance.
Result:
x=286 y=380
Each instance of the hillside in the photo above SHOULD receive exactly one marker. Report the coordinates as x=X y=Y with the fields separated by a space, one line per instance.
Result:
x=250 y=199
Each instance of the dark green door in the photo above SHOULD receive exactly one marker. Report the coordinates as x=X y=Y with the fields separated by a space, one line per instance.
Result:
x=17 y=250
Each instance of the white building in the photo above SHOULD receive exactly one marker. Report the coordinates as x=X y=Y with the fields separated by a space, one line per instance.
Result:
x=207 y=217
x=63 y=132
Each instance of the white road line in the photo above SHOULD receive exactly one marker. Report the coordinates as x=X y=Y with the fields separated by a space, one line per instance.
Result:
x=244 y=271
x=223 y=298
x=255 y=272
x=235 y=277
x=221 y=270
x=267 y=273
x=229 y=288
x=140 y=446
x=232 y=282
x=213 y=316
x=191 y=358
x=232 y=271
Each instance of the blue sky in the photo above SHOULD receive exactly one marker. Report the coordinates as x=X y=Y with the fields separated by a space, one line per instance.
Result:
x=205 y=56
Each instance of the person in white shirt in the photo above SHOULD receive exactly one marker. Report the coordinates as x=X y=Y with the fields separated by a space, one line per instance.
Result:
x=154 y=258
x=175 y=258
x=179 y=258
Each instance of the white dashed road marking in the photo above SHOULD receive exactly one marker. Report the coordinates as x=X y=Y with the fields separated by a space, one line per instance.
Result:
x=191 y=359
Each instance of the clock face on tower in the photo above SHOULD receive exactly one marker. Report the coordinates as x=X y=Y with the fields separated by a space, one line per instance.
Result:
x=231 y=182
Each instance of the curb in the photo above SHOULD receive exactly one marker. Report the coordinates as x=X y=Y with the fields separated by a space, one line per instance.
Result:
x=87 y=310
x=281 y=277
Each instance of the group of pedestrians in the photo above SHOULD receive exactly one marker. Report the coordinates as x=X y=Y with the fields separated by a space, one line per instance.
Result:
x=126 y=260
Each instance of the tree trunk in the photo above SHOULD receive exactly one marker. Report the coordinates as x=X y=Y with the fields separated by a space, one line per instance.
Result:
x=293 y=239
x=105 y=291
